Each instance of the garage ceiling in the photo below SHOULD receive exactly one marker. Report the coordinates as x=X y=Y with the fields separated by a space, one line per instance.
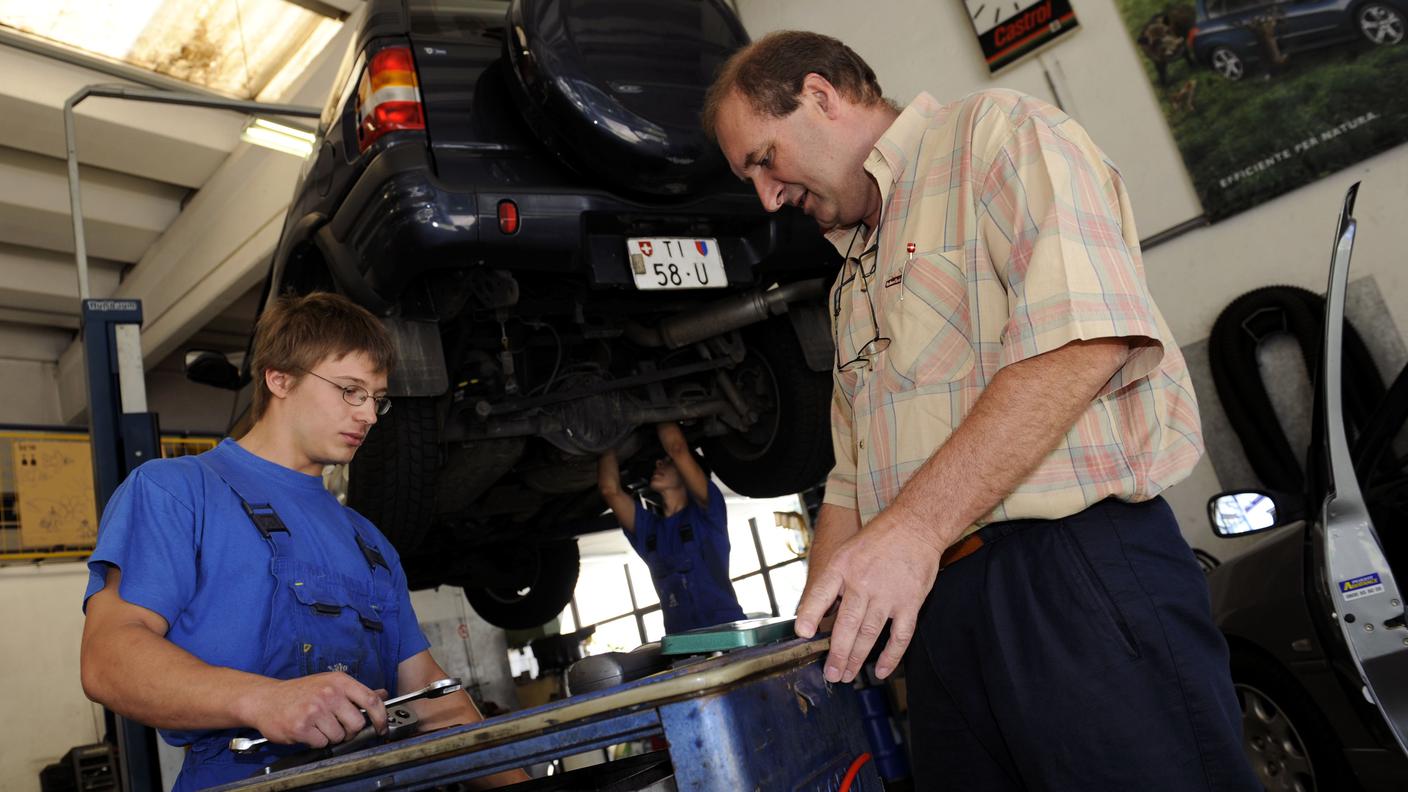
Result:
x=178 y=211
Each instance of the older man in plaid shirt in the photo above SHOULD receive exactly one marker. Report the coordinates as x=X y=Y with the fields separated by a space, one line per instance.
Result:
x=1008 y=405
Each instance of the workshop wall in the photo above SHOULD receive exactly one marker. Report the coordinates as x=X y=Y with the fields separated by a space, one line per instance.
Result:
x=46 y=711
x=917 y=45
x=35 y=398
x=27 y=355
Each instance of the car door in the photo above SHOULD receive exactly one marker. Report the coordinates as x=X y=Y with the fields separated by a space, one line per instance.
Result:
x=1365 y=598
x=1308 y=23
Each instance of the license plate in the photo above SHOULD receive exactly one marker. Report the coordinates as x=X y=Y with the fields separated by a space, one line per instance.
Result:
x=676 y=263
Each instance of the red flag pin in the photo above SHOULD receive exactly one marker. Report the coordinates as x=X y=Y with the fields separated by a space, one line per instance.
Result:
x=909 y=248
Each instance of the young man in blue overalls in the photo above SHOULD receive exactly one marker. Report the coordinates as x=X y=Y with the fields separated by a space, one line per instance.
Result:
x=231 y=595
x=686 y=547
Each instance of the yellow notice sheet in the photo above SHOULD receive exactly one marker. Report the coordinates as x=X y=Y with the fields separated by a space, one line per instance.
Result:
x=54 y=489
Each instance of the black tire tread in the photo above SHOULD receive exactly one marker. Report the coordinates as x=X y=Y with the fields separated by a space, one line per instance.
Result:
x=391 y=480
x=802 y=456
x=559 y=565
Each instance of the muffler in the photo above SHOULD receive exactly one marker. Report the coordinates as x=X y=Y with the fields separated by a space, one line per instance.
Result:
x=728 y=314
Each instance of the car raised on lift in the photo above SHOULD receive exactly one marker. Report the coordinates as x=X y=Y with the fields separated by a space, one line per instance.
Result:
x=523 y=193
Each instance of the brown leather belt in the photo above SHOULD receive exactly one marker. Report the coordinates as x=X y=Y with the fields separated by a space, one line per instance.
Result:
x=960 y=550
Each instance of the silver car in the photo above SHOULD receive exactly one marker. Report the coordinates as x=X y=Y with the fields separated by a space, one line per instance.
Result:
x=1313 y=614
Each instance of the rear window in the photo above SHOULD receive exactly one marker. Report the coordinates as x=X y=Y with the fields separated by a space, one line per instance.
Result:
x=1220 y=8
x=456 y=17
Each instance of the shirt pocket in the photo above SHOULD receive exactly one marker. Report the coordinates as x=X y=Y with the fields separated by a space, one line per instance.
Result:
x=926 y=317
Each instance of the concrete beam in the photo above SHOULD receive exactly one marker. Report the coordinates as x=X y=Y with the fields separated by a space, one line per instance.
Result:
x=27 y=342
x=217 y=250
x=123 y=215
x=45 y=282
x=235 y=325
x=176 y=145
x=42 y=318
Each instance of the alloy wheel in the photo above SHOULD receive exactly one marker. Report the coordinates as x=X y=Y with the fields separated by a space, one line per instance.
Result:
x=1273 y=746
x=1381 y=24
x=1228 y=63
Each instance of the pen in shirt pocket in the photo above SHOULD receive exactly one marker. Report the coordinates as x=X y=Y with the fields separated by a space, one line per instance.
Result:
x=904 y=270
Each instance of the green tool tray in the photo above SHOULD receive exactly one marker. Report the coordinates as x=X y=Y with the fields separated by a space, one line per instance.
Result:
x=733 y=635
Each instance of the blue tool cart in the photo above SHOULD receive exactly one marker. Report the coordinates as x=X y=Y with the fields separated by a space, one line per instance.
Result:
x=760 y=718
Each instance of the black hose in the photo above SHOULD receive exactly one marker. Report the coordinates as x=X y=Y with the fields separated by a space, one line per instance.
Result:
x=1232 y=353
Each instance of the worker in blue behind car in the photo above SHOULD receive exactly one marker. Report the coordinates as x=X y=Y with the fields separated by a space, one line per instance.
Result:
x=232 y=595
x=686 y=547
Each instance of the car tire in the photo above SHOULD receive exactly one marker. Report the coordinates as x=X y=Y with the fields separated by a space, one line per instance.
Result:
x=1379 y=23
x=548 y=588
x=391 y=480
x=788 y=449
x=1228 y=64
x=1286 y=739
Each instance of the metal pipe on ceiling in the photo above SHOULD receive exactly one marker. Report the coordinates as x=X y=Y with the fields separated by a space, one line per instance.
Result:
x=157 y=96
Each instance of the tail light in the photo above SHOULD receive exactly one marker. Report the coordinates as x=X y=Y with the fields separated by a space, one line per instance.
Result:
x=508 y=217
x=388 y=96
x=1192 y=34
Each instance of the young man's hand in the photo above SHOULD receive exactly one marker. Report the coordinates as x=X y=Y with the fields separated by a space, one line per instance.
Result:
x=671 y=437
x=696 y=481
x=608 y=474
x=608 y=482
x=317 y=711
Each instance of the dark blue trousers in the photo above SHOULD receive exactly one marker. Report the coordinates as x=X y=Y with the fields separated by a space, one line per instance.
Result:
x=1075 y=654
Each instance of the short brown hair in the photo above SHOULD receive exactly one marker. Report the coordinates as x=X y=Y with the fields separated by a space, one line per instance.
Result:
x=769 y=72
x=294 y=334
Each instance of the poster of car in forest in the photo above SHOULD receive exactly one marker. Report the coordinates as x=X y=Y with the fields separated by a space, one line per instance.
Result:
x=1263 y=96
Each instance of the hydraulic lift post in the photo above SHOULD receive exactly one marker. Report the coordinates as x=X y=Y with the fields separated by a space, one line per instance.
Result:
x=123 y=435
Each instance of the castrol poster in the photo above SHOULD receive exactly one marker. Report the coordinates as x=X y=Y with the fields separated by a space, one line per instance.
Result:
x=1009 y=30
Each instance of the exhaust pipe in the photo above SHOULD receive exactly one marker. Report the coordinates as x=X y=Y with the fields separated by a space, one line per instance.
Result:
x=725 y=315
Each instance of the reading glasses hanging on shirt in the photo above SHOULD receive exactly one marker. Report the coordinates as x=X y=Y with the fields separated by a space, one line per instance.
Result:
x=856 y=268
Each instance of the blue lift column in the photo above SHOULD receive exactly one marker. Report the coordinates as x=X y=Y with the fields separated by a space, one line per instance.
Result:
x=123 y=435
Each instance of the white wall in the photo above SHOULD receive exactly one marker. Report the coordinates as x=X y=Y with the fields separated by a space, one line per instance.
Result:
x=182 y=405
x=45 y=712
x=35 y=397
x=27 y=356
x=919 y=45
x=465 y=645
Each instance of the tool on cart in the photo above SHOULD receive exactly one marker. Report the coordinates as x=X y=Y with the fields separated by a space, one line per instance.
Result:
x=610 y=669
x=435 y=689
x=401 y=723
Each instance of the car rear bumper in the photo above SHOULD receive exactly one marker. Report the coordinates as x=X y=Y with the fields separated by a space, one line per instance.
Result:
x=401 y=220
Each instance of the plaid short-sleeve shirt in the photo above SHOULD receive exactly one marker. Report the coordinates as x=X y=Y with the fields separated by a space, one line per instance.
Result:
x=1005 y=233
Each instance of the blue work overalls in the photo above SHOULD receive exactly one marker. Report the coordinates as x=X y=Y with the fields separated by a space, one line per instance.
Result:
x=687 y=554
x=320 y=620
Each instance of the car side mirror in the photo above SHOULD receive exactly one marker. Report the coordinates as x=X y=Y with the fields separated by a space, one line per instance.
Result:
x=1244 y=512
x=212 y=368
